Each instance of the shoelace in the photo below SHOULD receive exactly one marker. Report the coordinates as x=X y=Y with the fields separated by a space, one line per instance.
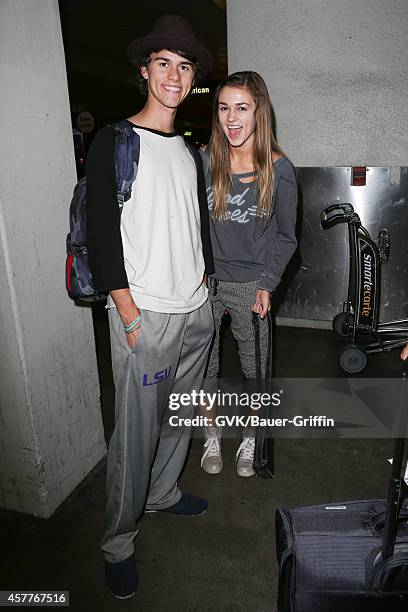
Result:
x=213 y=448
x=246 y=449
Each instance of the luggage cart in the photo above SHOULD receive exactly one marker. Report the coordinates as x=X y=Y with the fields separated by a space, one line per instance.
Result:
x=360 y=315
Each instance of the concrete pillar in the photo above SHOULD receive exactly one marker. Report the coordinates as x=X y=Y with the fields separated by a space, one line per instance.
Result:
x=337 y=73
x=51 y=432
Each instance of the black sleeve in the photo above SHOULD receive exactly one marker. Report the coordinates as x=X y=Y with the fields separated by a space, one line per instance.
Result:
x=105 y=250
x=204 y=216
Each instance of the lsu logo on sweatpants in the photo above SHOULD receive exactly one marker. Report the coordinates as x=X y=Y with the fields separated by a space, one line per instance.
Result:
x=157 y=377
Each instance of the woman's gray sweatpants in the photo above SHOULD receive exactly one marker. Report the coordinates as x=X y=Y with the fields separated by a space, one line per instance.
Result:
x=237 y=298
x=146 y=454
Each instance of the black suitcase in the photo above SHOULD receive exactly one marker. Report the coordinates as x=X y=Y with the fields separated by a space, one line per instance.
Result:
x=347 y=557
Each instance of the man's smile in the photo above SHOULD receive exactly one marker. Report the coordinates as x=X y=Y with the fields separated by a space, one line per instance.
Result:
x=172 y=88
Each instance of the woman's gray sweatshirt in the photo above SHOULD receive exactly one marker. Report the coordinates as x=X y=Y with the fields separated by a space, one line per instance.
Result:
x=247 y=247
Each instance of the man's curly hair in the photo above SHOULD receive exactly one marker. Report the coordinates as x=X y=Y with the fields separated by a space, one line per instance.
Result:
x=139 y=62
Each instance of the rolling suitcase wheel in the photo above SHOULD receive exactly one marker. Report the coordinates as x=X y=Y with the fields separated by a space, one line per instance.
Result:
x=353 y=359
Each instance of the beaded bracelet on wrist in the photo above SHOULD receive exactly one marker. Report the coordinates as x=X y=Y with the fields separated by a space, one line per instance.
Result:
x=132 y=325
x=134 y=329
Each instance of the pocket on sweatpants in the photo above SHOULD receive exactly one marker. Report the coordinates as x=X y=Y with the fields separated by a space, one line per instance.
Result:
x=120 y=332
x=139 y=336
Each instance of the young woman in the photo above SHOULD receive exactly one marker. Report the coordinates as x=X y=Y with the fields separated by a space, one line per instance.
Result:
x=252 y=197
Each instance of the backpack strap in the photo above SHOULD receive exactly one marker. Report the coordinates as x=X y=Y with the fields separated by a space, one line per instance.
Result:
x=203 y=204
x=127 y=153
x=205 y=156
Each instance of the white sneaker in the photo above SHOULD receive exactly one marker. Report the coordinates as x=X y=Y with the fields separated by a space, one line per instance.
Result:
x=245 y=457
x=211 y=461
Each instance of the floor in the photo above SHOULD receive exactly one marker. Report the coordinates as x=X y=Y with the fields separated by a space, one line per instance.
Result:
x=224 y=560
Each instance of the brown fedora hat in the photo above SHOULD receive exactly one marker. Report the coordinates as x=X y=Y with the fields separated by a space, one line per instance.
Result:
x=172 y=32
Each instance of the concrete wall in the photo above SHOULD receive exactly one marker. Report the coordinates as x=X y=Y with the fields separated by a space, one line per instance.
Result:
x=51 y=431
x=337 y=73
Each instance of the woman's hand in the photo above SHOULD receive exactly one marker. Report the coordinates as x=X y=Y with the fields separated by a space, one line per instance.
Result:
x=262 y=303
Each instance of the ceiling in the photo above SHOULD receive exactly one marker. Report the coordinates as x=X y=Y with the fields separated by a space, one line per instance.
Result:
x=96 y=35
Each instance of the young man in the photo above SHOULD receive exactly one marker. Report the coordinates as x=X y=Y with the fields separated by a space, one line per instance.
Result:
x=152 y=260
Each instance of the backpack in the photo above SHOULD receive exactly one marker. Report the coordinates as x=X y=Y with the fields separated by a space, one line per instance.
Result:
x=78 y=277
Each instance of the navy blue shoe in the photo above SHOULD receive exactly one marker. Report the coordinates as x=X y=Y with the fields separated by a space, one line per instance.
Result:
x=121 y=577
x=188 y=505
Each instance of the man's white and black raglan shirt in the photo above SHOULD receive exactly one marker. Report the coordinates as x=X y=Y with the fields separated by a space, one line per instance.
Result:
x=159 y=246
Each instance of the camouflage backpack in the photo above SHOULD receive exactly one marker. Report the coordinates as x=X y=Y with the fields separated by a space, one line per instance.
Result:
x=78 y=277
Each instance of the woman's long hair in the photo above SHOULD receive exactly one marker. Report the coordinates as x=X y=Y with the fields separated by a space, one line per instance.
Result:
x=264 y=144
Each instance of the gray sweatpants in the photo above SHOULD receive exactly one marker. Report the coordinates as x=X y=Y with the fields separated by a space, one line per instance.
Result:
x=237 y=298
x=146 y=454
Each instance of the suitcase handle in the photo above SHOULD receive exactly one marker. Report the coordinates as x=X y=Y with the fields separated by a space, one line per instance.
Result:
x=395 y=488
x=378 y=520
x=264 y=456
